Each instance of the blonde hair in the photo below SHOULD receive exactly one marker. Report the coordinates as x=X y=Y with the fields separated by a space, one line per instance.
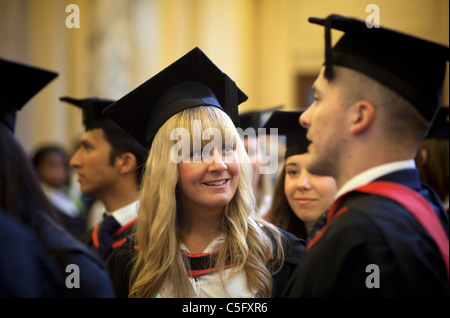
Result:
x=247 y=245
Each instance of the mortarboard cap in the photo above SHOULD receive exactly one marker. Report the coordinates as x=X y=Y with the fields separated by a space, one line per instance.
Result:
x=19 y=83
x=439 y=128
x=412 y=67
x=254 y=119
x=288 y=125
x=250 y=120
x=192 y=80
x=92 y=111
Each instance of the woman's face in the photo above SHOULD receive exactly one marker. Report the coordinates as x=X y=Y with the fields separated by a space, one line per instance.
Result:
x=308 y=195
x=209 y=184
x=53 y=169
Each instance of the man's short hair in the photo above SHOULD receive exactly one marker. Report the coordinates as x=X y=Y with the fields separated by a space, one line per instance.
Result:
x=401 y=120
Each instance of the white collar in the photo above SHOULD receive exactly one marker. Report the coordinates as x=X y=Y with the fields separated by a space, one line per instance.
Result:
x=125 y=214
x=213 y=246
x=374 y=173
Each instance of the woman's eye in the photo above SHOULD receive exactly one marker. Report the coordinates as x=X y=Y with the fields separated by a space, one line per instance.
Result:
x=292 y=172
x=197 y=154
x=228 y=150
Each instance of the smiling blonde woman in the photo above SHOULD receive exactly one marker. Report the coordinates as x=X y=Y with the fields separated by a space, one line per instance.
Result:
x=198 y=232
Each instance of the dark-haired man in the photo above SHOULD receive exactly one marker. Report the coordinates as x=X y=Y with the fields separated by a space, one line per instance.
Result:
x=109 y=164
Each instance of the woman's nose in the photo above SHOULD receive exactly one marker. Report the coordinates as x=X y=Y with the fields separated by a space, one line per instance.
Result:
x=303 y=181
x=217 y=162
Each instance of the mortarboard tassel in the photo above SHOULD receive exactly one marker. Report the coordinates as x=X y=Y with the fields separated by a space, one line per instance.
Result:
x=328 y=52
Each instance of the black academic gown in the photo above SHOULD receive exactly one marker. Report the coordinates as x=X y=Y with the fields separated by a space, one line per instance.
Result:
x=120 y=264
x=94 y=281
x=375 y=230
x=26 y=269
x=74 y=225
x=36 y=264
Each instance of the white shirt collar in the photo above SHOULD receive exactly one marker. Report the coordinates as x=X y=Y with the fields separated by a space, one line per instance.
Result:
x=125 y=214
x=373 y=174
x=213 y=246
x=210 y=285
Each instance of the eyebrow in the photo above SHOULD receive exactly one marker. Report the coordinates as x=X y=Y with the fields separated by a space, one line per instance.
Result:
x=292 y=164
x=85 y=143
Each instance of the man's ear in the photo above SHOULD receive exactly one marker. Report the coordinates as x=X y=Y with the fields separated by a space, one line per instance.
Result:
x=127 y=162
x=362 y=117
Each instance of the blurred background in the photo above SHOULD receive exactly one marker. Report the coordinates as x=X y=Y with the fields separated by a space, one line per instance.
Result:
x=266 y=46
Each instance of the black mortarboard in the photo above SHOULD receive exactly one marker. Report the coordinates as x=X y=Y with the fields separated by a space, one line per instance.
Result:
x=250 y=120
x=19 y=83
x=288 y=125
x=192 y=80
x=254 y=119
x=412 y=67
x=439 y=128
x=92 y=111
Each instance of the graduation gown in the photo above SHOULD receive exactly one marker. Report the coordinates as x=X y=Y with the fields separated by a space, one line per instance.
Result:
x=29 y=269
x=375 y=241
x=26 y=269
x=74 y=225
x=120 y=264
x=93 y=279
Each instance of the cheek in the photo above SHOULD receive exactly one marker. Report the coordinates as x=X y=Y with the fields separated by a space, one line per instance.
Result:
x=234 y=166
x=101 y=168
x=323 y=120
x=289 y=187
x=234 y=170
x=326 y=187
x=255 y=168
x=185 y=173
x=95 y=160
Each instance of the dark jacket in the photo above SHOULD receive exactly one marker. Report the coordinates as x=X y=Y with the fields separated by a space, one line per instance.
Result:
x=376 y=236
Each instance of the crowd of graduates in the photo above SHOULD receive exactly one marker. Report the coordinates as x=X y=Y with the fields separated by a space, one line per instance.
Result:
x=361 y=183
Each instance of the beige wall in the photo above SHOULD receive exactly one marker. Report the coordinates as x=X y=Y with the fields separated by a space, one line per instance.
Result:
x=262 y=44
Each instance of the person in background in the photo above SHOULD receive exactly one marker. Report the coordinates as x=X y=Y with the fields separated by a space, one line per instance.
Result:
x=432 y=159
x=198 y=231
x=52 y=166
x=256 y=147
x=299 y=197
x=375 y=98
x=109 y=165
x=44 y=250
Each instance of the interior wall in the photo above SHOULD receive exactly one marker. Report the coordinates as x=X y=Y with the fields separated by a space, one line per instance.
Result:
x=264 y=45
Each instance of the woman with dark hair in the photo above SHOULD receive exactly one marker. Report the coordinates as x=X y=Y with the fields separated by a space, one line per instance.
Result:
x=299 y=198
x=25 y=205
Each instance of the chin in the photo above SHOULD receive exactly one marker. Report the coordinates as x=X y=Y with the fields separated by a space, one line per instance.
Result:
x=89 y=194
x=216 y=204
x=219 y=204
